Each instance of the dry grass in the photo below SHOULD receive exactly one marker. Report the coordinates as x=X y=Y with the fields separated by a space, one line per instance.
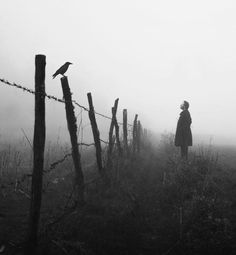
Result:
x=156 y=204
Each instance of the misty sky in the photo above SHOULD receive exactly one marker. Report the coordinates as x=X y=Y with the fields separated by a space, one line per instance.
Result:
x=150 y=54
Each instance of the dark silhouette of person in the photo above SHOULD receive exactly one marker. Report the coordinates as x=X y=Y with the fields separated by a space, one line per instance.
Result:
x=183 y=135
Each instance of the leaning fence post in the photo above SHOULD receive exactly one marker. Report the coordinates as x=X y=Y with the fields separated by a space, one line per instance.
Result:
x=72 y=127
x=96 y=135
x=116 y=131
x=38 y=152
x=113 y=110
x=139 y=130
x=135 y=133
x=125 y=132
x=111 y=140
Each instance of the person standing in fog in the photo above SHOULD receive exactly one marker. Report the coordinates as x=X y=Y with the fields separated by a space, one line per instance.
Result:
x=183 y=135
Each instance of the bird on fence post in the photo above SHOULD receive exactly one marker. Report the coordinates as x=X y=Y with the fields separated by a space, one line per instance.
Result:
x=62 y=69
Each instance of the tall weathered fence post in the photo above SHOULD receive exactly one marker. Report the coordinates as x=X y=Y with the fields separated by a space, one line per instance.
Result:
x=113 y=111
x=72 y=127
x=125 y=132
x=111 y=141
x=116 y=130
x=135 y=133
x=96 y=136
x=139 y=134
x=38 y=152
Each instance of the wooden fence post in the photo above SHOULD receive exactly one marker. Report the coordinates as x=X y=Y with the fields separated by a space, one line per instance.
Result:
x=116 y=131
x=96 y=135
x=135 y=133
x=125 y=132
x=111 y=143
x=72 y=127
x=139 y=131
x=111 y=140
x=38 y=152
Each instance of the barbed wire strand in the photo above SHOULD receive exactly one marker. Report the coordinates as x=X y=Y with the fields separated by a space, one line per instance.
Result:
x=31 y=91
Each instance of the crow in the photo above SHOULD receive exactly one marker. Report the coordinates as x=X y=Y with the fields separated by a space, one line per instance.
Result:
x=62 y=69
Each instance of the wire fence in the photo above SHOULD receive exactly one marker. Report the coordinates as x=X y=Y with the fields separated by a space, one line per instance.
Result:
x=51 y=97
x=35 y=178
x=83 y=108
x=80 y=127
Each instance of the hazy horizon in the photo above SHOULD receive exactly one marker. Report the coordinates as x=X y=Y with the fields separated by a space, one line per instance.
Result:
x=151 y=55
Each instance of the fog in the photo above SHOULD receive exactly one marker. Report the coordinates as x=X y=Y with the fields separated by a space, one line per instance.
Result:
x=151 y=55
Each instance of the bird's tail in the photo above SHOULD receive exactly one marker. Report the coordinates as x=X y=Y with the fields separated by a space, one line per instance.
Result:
x=54 y=75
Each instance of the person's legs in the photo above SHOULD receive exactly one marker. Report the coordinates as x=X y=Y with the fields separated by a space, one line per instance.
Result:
x=184 y=152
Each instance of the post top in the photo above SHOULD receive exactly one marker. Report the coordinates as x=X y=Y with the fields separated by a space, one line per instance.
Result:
x=64 y=79
x=40 y=56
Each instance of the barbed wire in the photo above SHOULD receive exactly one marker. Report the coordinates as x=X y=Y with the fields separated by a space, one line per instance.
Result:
x=59 y=161
x=54 y=164
x=31 y=91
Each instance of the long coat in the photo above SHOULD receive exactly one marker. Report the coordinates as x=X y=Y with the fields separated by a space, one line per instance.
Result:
x=183 y=135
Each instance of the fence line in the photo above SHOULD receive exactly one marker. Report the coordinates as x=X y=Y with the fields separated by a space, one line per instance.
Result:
x=31 y=91
x=39 y=144
x=51 y=97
